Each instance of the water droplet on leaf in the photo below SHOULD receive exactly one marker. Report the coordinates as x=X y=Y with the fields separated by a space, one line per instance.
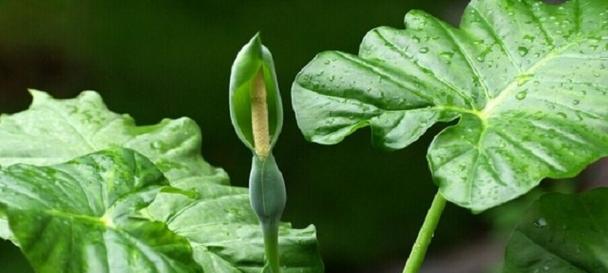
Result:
x=523 y=51
x=540 y=223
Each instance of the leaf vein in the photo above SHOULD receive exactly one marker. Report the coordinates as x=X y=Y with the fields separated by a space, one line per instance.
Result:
x=520 y=146
x=458 y=91
x=378 y=71
x=496 y=38
x=467 y=58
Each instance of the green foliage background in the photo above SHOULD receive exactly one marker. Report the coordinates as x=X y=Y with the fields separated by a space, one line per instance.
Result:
x=156 y=59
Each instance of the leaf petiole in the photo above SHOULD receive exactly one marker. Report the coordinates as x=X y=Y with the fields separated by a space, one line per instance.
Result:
x=425 y=235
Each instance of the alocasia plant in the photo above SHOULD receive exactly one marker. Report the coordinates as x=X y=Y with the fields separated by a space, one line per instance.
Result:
x=562 y=234
x=214 y=227
x=527 y=81
x=83 y=189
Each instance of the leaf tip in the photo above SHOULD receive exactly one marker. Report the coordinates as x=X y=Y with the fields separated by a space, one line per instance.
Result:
x=38 y=96
x=257 y=38
x=90 y=94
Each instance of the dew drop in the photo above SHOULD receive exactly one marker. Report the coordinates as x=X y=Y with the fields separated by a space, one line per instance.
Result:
x=447 y=54
x=156 y=145
x=523 y=79
x=521 y=95
x=523 y=51
x=540 y=223
x=529 y=38
x=424 y=50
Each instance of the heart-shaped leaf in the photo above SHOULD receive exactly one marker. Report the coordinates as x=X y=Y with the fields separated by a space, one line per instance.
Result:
x=563 y=234
x=528 y=81
x=226 y=235
x=53 y=131
x=82 y=216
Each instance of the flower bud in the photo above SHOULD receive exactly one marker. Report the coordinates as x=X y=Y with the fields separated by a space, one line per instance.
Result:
x=255 y=102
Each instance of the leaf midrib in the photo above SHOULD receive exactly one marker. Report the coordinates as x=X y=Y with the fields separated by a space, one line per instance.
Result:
x=506 y=92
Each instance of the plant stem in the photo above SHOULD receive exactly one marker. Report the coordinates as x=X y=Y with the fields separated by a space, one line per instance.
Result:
x=271 y=246
x=414 y=262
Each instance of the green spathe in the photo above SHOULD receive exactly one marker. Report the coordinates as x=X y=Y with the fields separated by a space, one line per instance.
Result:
x=253 y=58
x=82 y=216
x=527 y=81
x=562 y=234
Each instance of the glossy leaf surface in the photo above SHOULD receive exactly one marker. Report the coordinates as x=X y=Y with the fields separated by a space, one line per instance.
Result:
x=225 y=233
x=53 y=131
x=82 y=216
x=528 y=82
x=563 y=234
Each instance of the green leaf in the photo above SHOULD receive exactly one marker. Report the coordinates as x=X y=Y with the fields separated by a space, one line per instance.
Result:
x=226 y=236
x=82 y=216
x=5 y=231
x=53 y=131
x=250 y=61
x=528 y=82
x=563 y=234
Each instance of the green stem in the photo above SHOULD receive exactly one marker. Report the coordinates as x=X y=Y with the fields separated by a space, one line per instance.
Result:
x=414 y=262
x=271 y=246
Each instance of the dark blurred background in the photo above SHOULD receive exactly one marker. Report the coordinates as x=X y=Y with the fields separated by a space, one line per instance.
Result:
x=156 y=59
